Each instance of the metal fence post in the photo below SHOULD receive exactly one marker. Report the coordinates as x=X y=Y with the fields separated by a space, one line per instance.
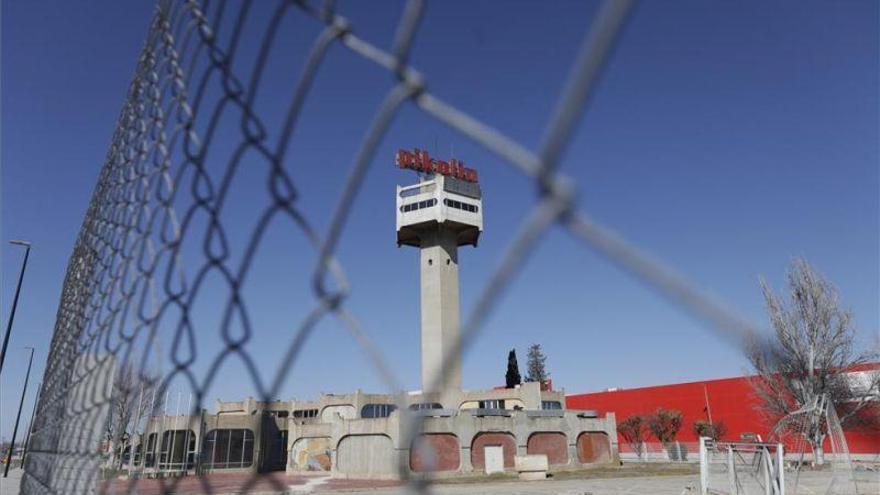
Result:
x=704 y=467
x=731 y=470
x=780 y=468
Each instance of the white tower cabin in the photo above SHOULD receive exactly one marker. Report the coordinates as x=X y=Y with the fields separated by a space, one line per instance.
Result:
x=437 y=215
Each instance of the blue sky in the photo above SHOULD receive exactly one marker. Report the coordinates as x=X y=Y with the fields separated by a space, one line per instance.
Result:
x=723 y=138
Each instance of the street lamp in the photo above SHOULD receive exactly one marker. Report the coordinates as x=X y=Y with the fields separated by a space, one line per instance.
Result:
x=17 y=418
x=27 y=438
x=27 y=245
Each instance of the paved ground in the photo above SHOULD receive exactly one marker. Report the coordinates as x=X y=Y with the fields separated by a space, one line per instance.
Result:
x=228 y=484
x=9 y=486
x=621 y=482
x=233 y=483
x=654 y=485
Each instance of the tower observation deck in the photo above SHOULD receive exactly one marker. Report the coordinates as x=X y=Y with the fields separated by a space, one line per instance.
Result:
x=437 y=215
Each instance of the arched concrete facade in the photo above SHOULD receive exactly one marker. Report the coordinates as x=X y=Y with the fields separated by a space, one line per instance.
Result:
x=346 y=411
x=457 y=440
x=366 y=456
x=593 y=447
x=483 y=439
x=435 y=452
x=260 y=418
x=553 y=444
x=311 y=454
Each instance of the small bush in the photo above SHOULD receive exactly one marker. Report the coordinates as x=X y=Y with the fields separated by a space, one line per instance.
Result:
x=633 y=429
x=714 y=430
x=664 y=424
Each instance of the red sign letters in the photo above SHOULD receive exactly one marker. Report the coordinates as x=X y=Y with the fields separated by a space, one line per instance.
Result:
x=420 y=161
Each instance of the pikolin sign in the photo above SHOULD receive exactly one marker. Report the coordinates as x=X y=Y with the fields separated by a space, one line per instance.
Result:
x=420 y=161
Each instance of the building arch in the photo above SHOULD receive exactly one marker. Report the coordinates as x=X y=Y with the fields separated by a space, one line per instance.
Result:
x=435 y=452
x=346 y=411
x=370 y=455
x=553 y=444
x=483 y=439
x=311 y=454
x=593 y=447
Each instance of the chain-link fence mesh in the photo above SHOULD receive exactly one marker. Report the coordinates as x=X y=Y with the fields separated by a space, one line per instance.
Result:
x=154 y=237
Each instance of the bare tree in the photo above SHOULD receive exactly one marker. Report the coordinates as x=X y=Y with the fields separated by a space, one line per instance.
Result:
x=807 y=364
x=132 y=397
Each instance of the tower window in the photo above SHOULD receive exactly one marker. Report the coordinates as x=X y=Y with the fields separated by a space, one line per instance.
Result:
x=460 y=206
x=418 y=206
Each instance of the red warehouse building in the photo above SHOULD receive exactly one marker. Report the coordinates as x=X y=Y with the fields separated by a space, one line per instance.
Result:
x=730 y=400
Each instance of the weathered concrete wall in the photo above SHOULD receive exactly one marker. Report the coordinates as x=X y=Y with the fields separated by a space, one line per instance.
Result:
x=346 y=411
x=553 y=444
x=593 y=447
x=435 y=452
x=527 y=396
x=246 y=415
x=314 y=443
x=504 y=439
x=439 y=309
x=554 y=433
x=311 y=454
x=368 y=456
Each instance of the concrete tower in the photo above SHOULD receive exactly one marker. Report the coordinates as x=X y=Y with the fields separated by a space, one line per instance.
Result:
x=437 y=215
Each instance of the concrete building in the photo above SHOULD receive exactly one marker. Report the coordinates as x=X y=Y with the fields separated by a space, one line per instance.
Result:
x=362 y=435
x=440 y=431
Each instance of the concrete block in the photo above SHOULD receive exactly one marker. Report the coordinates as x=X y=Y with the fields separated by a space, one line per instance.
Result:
x=533 y=475
x=527 y=463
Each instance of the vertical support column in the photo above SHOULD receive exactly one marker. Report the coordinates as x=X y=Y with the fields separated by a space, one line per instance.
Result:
x=439 y=309
x=704 y=467
x=780 y=468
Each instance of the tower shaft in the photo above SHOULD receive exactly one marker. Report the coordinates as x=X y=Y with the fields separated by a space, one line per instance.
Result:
x=440 y=302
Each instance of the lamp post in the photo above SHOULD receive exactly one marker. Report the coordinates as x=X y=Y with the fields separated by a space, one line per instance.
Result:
x=27 y=438
x=17 y=418
x=27 y=252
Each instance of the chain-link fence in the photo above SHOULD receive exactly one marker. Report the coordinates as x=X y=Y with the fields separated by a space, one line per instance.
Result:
x=154 y=236
x=660 y=452
x=741 y=468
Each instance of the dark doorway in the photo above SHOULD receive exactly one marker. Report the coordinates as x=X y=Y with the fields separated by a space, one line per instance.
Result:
x=273 y=442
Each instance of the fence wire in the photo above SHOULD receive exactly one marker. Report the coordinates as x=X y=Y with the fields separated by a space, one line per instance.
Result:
x=126 y=277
